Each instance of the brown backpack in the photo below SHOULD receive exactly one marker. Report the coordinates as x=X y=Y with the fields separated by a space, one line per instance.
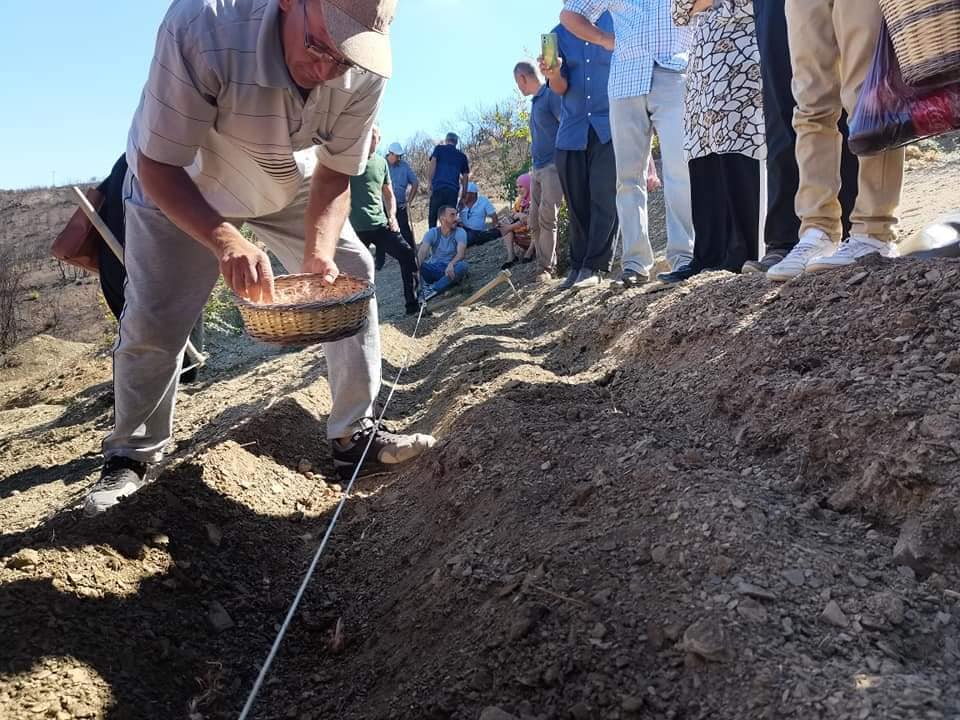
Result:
x=79 y=242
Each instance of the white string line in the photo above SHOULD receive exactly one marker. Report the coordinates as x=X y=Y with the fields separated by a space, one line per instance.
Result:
x=323 y=544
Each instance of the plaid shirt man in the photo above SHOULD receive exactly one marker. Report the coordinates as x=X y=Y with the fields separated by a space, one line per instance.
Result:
x=645 y=37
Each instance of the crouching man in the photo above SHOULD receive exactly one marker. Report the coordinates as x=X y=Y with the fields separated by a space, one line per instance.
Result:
x=442 y=254
x=256 y=113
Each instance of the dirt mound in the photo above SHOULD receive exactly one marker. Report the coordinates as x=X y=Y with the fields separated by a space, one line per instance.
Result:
x=676 y=504
x=727 y=500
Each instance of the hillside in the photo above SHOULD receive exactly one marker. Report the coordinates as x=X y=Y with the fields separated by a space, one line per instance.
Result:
x=728 y=500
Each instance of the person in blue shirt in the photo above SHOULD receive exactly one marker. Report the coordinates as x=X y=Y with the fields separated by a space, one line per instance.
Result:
x=442 y=254
x=405 y=189
x=474 y=213
x=584 y=153
x=449 y=175
x=546 y=192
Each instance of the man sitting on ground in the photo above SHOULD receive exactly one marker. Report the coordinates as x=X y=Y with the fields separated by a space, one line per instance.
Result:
x=473 y=217
x=442 y=254
x=373 y=214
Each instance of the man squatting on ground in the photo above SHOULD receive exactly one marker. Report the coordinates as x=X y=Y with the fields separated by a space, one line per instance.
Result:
x=269 y=134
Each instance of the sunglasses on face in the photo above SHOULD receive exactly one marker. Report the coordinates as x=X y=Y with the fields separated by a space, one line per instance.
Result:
x=322 y=52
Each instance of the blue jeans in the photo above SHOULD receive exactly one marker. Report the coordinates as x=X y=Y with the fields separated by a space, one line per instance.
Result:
x=434 y=274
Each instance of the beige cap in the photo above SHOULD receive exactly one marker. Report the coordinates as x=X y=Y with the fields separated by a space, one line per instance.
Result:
x=361 y=29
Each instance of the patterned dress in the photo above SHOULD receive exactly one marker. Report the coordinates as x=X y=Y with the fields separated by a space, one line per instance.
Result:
x=724 y=100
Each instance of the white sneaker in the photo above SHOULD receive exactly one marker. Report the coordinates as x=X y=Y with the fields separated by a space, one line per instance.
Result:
x=851 y=250
x=813 y=243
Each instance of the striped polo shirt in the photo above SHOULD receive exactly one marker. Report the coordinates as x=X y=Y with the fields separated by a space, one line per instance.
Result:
x=220 y=102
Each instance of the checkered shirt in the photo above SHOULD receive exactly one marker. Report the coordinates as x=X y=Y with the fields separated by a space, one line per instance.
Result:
x=645 y=37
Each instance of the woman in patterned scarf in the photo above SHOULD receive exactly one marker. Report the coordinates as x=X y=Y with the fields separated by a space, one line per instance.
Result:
x=515 y=232
x=724 y=134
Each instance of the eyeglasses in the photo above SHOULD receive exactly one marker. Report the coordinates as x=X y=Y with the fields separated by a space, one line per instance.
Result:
x=322 y=52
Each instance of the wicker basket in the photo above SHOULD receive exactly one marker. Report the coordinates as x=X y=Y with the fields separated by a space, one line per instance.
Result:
x=926 y=37
x=306 y=311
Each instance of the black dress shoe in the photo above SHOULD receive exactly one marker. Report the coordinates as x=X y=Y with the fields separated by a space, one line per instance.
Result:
x=684 y=272
x=630 y=279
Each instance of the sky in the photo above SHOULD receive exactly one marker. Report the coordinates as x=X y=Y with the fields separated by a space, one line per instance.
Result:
x=71 y=75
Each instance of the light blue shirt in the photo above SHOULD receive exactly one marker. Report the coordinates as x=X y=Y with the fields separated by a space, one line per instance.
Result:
x=401 y=175
x=646 y=36
x=443 y=248
x=475 y=217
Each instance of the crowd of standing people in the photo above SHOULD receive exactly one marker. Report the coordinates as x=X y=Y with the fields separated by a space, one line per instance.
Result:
x=737 y=93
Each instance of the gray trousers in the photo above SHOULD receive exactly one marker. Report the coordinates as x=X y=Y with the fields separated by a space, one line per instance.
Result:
x=169 y=279
x=632 y=122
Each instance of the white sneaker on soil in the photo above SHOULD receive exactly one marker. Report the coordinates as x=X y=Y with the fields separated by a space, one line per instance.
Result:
x=851 y=250
x=812 y=244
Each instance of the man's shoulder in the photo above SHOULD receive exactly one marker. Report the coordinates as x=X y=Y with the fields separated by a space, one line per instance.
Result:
x=460 y=235
x=203 y=16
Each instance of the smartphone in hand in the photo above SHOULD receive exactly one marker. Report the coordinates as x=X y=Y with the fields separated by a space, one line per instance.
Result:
x=548 y=49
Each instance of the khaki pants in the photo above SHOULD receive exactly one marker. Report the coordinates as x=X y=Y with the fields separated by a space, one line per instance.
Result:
x=832 y=43
x=546 y=195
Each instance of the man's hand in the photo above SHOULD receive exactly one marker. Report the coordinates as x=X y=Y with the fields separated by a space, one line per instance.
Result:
x=608 y=42
x=245 y=267
x=451 y=270
x=550 y=72
x=393 y=225
x=700 y=5
x=325 y=267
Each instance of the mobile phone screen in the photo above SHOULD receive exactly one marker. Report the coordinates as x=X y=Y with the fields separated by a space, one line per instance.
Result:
x=548 y=49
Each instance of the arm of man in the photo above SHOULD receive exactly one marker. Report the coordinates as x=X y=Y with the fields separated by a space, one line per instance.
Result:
x=337 y=161
x=461 y=254
x=424 y=252
x=327 y=212
x=433 y=169
x=464 y=181
x=580 y=25
x=245 y=267
x=414 y=185
x=173 y=121
x=390 y=205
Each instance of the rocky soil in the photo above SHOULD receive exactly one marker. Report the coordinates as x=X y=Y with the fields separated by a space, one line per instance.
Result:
x=726 y=500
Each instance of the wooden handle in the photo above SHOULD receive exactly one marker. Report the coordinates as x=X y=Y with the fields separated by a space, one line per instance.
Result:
x=108 y=237
x=501 y=277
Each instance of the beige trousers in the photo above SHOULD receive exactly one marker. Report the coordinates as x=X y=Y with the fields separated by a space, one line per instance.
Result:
x=546 y=195
x=832 y=43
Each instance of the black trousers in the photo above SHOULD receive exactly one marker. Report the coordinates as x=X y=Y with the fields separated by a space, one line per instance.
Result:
x=403 y=220
x=482 y=237
x=725 y=197
x=393 y=244
x=783 y=178
x=439 y=198
x=589 y=181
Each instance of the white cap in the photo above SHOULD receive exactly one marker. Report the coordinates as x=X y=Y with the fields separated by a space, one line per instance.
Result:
x=472 y=187
x=395 y=148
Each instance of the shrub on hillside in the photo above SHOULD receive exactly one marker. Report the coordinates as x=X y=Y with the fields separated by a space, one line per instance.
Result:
x=11 y=283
